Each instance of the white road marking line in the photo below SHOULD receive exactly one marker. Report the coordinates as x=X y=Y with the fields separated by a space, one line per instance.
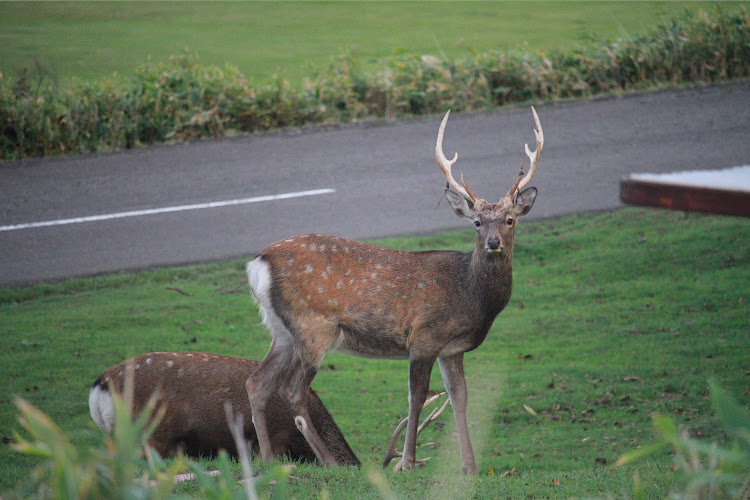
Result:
x=163 y=210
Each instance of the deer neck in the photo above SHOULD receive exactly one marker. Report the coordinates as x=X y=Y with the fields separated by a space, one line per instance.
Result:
x=491 y=276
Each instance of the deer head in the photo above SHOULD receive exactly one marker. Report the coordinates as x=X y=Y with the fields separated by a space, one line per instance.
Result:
x=495 y=222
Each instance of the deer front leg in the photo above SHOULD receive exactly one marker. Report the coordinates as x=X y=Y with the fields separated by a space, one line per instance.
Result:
x=419 y=384
x=452 y=370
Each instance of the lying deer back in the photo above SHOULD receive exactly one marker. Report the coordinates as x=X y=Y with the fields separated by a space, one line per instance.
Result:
x=194 y=386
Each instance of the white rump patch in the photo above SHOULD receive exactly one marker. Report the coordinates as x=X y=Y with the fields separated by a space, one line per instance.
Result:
x=101 y=408
x=259 y=277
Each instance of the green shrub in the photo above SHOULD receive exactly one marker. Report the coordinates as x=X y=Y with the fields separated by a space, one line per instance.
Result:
x=707 y=470
x=117 y=469
x=182 y=99
x=114 y=470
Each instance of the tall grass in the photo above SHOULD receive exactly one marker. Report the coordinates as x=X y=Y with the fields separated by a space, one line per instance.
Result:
x=182 y=99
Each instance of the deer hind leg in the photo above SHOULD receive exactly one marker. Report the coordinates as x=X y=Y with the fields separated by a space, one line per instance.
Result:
x=295 y=390
x=272 y=370
x=419 y=384
x=452 y=370
x=261 y=385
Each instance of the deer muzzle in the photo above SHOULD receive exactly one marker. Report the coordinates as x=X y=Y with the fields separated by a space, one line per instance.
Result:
x=494 y=245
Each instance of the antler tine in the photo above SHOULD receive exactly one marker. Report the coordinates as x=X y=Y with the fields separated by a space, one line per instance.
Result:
x=513 y=189
x=446 y=164
x=434 y=414
x=392 y=450
x=533 y=156
x=474 y=197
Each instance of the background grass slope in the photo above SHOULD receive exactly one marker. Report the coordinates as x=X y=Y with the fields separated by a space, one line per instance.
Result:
x=90 y=41
x=614 y=317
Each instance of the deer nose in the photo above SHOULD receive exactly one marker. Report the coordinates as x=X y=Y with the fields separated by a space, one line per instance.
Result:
x=494 y=244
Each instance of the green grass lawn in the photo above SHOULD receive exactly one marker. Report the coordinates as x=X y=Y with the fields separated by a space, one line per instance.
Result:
x=91 y=40
x=614 y=317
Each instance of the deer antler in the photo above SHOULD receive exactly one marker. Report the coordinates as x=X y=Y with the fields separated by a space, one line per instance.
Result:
x=534 y=157
x=446 y=164
x=434 y=414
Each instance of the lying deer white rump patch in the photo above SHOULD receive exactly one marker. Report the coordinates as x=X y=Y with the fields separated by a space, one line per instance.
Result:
x=102 y=408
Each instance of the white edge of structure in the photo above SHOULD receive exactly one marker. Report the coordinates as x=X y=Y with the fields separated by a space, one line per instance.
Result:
x=729 y=179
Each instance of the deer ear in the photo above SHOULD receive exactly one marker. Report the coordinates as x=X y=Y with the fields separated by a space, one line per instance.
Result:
x=460 y=205
x=524 y=201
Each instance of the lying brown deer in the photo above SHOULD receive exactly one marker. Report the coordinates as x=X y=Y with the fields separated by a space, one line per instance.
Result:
x=194 y=387
x=318 y=293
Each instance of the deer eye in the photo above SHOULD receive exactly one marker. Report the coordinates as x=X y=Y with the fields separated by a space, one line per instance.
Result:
x=477 y=223
x=509 y=221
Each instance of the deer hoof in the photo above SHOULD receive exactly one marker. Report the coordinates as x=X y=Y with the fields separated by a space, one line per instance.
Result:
x=470 y=470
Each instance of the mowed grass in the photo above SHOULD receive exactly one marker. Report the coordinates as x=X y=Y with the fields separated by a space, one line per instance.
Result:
x=92 y=40
x=614 y=317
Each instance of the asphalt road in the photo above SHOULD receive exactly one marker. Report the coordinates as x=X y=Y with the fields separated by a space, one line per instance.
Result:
x=384 y=175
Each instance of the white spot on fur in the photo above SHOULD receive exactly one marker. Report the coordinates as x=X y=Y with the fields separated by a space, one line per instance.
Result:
x=149 y=361
x=170 y=363
x=309 y=269
x=301 y=424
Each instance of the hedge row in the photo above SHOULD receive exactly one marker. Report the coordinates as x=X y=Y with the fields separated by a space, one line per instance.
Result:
x=182 y=99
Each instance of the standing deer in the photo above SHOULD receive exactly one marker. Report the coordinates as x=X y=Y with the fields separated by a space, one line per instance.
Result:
x=318 y=292
x=193 y=387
